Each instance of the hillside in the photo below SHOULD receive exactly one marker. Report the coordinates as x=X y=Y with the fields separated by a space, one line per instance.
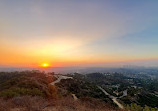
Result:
x=32 y=91
x=40 y=91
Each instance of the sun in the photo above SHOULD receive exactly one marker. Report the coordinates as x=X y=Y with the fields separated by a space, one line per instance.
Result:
x=45 y=65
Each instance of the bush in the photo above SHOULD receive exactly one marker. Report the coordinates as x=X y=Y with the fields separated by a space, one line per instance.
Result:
x=135 y=107
x=13 y=92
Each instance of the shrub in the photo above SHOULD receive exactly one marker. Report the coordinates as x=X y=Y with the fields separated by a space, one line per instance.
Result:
x=13 y=92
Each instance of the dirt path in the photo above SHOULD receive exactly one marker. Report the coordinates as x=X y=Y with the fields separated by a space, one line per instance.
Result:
x=112 y=97
x=59 y=78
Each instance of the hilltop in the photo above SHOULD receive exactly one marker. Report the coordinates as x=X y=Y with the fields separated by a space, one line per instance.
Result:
x=40 y=91
x=34 y=91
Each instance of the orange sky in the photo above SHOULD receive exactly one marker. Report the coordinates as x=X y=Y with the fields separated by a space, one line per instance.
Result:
x=77 y=33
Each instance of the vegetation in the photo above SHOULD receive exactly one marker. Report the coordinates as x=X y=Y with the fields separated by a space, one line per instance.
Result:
x=13 y=92
x=82 y=88
x=32 y=91
x=21 y=90
x=135 y=107
x=36 y=103
x=139 y=90
x=24 y=83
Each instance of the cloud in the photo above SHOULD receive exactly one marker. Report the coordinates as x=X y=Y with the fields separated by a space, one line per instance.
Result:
x=71 y=29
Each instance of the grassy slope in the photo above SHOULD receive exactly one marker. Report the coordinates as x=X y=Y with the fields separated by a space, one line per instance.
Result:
x=31 y=91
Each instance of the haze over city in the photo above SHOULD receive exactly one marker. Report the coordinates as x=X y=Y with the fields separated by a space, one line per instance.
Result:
x=78 y=55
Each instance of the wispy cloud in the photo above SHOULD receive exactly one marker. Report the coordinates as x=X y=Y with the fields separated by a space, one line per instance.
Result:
x=76 y=30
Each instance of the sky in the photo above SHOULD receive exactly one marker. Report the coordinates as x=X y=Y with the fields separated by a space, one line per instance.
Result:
x=78 y=32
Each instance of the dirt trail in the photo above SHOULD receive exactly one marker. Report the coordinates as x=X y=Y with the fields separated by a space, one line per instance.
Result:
x=59 y=78
x=112 y=97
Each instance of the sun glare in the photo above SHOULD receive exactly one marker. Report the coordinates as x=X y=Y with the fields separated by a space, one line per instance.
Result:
x=45 y=65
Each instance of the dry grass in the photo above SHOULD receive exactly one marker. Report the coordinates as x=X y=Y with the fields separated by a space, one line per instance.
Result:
x=5 y=105
x=83 y=104
x=28 y=103
x=25 y=103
